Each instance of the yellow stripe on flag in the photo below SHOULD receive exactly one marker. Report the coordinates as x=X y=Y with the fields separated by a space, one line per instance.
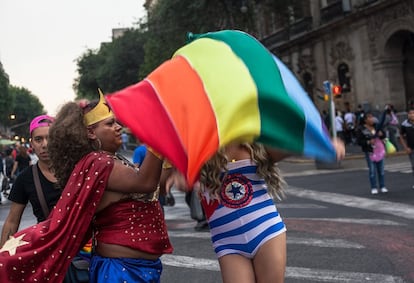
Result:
x=237 y=115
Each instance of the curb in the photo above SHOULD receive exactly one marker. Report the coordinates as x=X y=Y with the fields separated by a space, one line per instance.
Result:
x=351 y=156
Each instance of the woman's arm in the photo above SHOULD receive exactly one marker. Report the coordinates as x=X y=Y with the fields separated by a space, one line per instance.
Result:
x=15 y=164
x=126 y=179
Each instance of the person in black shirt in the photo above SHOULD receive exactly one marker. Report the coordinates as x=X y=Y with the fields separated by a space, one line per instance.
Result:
x=21 y=162
x=407 y=136
x=24 y=189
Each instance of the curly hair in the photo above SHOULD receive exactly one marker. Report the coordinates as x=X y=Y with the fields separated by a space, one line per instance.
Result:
x=212 y=176
x=68 y=141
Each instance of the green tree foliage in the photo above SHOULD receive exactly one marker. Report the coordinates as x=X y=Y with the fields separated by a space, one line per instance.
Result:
x=6 y=100
x=123 y=61
x=170 y=20
x=88 y=68
x=114 y=66
x=133 y=56
x=25 y=107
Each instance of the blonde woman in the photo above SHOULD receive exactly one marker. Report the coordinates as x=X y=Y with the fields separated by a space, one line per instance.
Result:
x=238 y=187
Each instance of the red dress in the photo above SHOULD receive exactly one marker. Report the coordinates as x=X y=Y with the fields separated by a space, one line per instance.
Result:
x=43 y=252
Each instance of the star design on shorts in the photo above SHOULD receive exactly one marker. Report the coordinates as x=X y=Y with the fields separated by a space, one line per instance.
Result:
x=13 y=243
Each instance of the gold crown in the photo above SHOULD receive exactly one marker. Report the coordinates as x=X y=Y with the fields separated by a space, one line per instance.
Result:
x=100 y=112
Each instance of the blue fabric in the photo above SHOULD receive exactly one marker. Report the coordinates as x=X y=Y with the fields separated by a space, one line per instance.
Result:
x=139 y=154
x=104 y=269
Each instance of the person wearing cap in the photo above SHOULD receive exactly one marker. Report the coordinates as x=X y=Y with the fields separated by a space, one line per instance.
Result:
x=24 y=190
x=104 y=195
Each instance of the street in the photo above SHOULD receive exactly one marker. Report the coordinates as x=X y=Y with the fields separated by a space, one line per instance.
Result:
x=337 y=231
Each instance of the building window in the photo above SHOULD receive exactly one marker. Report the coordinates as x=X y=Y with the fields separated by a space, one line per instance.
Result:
x=344 y=77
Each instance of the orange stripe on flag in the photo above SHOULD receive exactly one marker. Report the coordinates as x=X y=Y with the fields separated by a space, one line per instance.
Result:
x=182 y=93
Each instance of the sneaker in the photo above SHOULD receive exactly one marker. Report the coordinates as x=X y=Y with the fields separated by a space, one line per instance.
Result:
x=202 y=226
x=374 y=191
x=384 y=190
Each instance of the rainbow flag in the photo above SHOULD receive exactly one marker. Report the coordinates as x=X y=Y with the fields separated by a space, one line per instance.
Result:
x=221 y=87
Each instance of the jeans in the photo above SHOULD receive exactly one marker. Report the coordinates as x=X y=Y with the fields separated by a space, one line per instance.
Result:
x=375 y=168
x=411 y=157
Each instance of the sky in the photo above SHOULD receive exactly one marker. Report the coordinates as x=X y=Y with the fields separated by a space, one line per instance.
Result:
x=41 y=40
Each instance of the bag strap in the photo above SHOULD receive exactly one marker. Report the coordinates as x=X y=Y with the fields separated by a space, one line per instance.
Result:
x=40 y=194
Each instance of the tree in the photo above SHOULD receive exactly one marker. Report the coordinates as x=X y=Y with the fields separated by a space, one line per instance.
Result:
x=139 y=51
x=6 y=100
x=114 y=66
x=25 y=107
x=86 y=84
x=124 y=57
x=167 y=28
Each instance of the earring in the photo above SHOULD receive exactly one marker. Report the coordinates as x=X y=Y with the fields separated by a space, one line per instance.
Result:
x=97 y=144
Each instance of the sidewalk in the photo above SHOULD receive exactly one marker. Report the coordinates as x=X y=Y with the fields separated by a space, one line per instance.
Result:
x=352 y=152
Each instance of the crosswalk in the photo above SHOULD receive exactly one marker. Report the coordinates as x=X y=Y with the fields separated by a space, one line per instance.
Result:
x=180 y=213
x=402 y=167
x=399 y=167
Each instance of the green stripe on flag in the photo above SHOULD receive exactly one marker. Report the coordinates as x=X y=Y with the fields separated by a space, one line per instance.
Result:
x=223 y=85
x=274 y=102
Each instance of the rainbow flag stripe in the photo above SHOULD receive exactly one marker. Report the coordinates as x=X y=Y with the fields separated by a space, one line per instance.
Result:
x=221 y=87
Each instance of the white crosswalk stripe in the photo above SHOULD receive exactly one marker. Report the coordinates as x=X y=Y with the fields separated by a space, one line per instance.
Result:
x=399 y=167
x=181 y=212
x=309 y=274
x=403 y=167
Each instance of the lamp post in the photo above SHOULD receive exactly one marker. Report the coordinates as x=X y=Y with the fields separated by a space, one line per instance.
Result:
x=12 y=117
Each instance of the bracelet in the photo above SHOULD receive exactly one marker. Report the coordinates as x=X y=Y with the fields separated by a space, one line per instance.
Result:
x=166 y=165
x=159 y=156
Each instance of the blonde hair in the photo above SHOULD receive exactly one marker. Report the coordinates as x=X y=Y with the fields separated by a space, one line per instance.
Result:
x=211 y=176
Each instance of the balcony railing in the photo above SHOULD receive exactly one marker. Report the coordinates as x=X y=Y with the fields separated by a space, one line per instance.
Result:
x=331 y=12
x=300 y=26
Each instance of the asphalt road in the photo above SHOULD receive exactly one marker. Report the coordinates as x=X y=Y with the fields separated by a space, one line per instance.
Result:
x=337 y=231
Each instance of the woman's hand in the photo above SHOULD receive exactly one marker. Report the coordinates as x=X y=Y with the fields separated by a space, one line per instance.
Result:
x=177 y=180
x=339 y=146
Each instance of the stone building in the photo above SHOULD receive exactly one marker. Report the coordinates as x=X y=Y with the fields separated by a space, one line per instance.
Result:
x=366 y=46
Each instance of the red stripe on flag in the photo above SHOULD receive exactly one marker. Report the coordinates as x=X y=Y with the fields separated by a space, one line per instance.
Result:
x=139 y=108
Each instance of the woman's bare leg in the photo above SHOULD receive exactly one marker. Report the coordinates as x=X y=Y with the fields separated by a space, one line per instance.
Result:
x=270 y=261
x=236 y=269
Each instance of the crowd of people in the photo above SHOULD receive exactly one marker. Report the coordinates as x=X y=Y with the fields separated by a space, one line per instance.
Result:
x=96 y=193
x=15 y=159
x=372 y=132
x=82 y=190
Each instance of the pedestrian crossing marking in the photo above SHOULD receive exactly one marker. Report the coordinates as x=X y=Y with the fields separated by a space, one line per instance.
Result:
x=381 y=206
x=399 y=167
x=291 y=272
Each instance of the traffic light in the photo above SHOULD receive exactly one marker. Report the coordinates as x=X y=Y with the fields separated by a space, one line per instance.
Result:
x=325 y=97
x=336 y=91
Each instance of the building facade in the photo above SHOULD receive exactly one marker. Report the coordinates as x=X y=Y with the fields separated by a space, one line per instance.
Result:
x=366 y=46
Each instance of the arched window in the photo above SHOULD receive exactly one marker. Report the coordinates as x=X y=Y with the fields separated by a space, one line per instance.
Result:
x=344 y=77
